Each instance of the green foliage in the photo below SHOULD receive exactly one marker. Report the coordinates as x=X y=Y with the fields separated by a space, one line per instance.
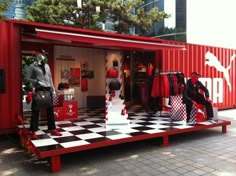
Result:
x=51 y=11
x=66 y=13
x=61 y=12
x=4 y=6
x=126 y=15
x=26 y=61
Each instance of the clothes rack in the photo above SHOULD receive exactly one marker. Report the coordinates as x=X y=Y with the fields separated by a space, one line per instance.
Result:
x=171 y=88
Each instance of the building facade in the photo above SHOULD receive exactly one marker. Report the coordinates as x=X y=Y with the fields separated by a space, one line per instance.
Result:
x=172 y=28
x=17 y=9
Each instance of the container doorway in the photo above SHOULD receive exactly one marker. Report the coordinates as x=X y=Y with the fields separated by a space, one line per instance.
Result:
x=138 y=76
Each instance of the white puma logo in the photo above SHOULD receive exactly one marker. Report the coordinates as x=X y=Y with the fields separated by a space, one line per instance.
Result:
x=57 y=113
x=213 y=61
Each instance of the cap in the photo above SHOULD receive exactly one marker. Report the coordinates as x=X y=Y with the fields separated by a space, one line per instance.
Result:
x=196 y=73
x=40 y=52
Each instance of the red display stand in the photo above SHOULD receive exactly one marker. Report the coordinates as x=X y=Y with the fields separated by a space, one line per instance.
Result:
x=69 y=110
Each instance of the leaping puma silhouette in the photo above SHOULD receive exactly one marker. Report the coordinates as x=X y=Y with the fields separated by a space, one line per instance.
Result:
x=212 y=61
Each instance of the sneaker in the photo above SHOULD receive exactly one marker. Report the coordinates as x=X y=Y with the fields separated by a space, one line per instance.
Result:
x=191 y=123
x=212 y=121
x=33 y=135
x=56 y=133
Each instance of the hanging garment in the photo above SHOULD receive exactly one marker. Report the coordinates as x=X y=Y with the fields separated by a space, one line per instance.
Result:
x=165 y=86
x=171 y=84
x=156 y=92
x=175 y=84
x=181 y=82
x=150 y=68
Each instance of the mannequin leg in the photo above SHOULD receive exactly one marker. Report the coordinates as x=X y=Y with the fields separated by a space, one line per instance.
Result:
x=209 y=110
x=188 y=110
x=50 y=119
x=34 y=121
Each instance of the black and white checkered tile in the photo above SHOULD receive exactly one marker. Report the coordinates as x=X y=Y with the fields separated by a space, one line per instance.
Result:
x=178 y=110
x=90 y=127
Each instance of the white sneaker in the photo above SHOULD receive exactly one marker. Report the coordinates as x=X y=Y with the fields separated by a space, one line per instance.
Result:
x=212 y=121
x=191 y=123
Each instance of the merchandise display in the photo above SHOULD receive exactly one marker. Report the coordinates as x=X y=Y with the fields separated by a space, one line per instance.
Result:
x=69 y=94
x=115 y=110
x=116 y=113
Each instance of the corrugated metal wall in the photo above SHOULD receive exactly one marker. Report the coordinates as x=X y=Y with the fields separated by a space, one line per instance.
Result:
x=218 y=74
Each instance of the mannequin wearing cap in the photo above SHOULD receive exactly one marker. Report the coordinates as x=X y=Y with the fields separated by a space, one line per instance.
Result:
x=39 y=74
x=193 y=96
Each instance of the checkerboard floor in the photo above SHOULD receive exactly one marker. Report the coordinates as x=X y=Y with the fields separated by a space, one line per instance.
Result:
x=90 y=128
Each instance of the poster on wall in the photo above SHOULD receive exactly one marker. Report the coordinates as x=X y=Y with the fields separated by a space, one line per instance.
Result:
x=74 y=72
x=65 y=74
x=85 y=72
x=90 y=74
x=74 y=76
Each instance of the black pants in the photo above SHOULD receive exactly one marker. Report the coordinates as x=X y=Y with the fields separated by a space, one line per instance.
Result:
x=35 y=120
x=205 y=103
x=35 y=115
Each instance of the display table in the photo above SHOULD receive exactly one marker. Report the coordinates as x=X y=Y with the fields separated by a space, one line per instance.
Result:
x=69 y=110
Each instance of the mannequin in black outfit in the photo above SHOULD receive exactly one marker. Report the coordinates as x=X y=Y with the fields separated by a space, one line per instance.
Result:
x=40 y=75
x=192 y=96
